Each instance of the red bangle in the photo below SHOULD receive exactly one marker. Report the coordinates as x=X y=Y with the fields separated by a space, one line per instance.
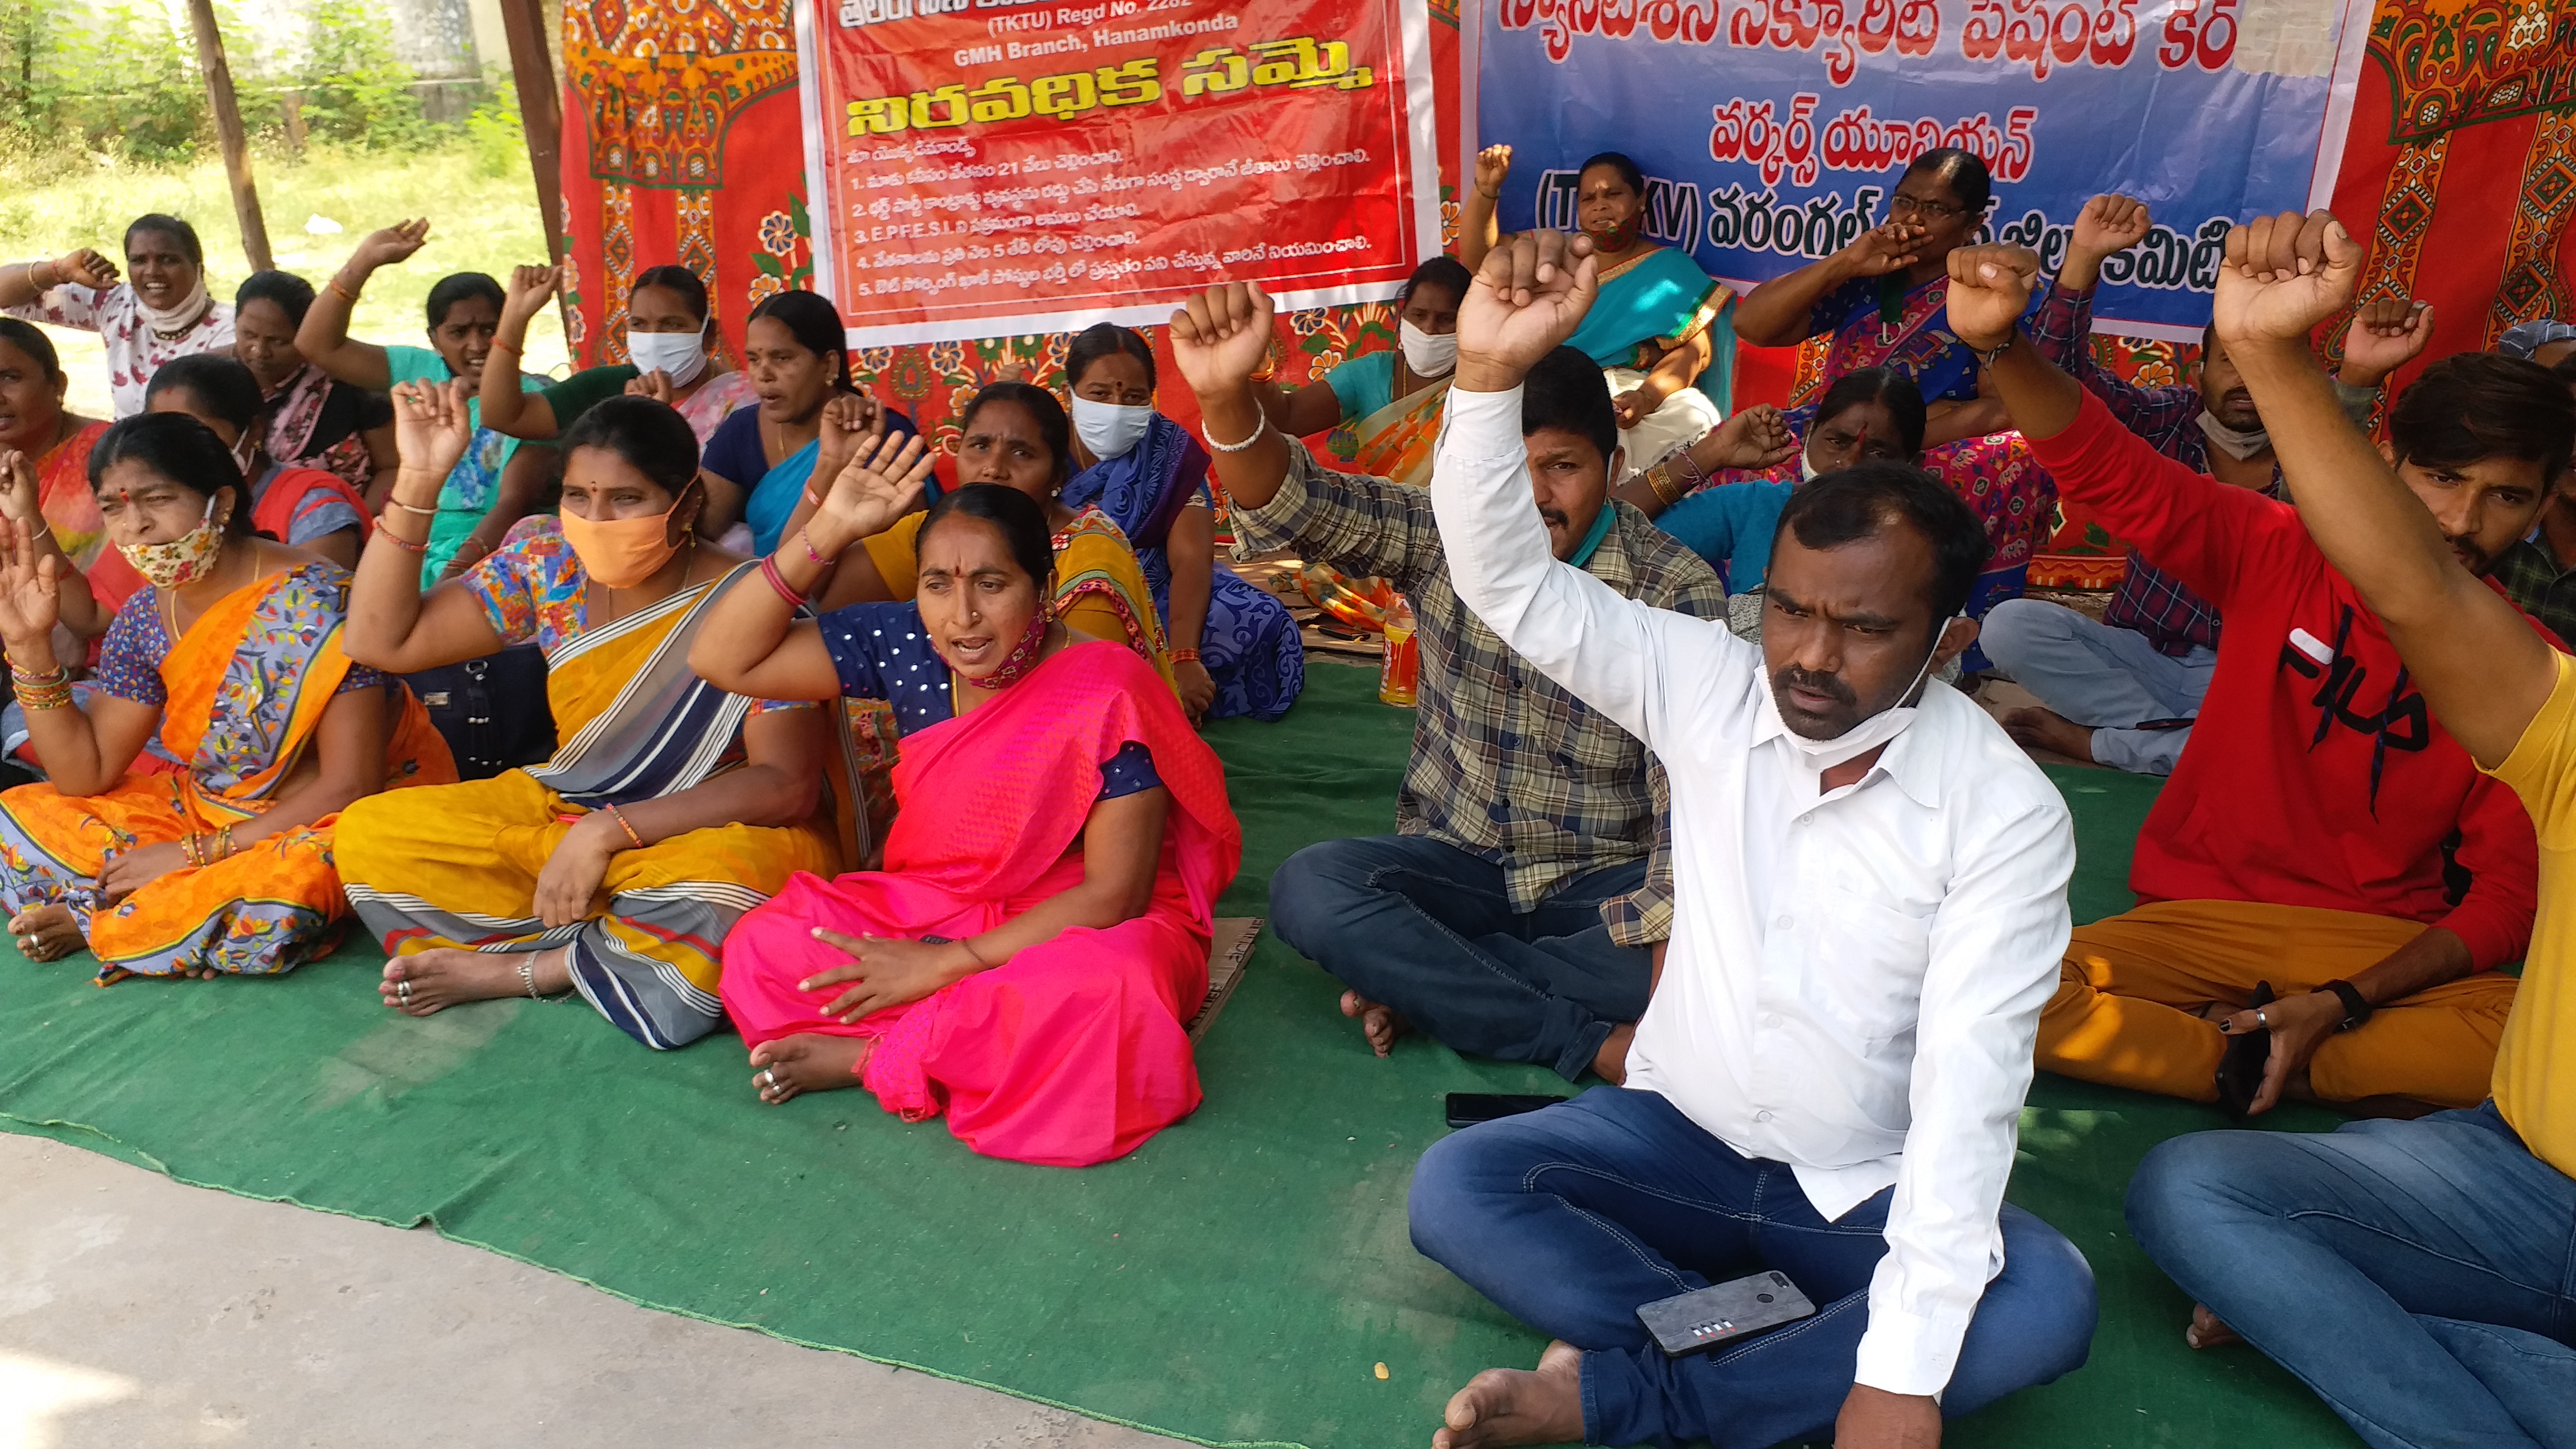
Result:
x=1190 y=656
x=385 y=530
x=619 y=816
x=778 y=582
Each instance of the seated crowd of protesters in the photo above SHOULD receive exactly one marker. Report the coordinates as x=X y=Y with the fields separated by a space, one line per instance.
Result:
x=1692 y=812
x=2122 y=691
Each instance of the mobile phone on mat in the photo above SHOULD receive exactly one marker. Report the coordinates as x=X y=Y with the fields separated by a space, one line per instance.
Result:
x=1723 y=1312
x=1466 y=1109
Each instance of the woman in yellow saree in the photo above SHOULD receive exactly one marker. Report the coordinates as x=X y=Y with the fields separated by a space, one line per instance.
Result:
x=615 y=868
x=1018 y=436
x=234 y=657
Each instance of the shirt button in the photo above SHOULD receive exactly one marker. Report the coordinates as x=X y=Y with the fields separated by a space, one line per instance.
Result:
x=1785 y=922
x=1762 y=1116
x=1771 y=1022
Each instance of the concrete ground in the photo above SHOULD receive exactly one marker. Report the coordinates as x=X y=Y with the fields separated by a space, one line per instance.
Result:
x=135 y=1311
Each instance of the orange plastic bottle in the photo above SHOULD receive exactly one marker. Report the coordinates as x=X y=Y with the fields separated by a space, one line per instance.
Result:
x=1400 y=668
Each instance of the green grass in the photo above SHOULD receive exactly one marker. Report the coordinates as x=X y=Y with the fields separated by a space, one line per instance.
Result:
x=478 y=222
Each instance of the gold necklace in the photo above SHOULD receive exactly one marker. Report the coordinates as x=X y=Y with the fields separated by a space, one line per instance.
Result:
x=168 y=599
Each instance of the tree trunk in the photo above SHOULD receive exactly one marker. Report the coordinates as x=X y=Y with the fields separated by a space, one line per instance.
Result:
x=229 y=134
x=532 y=70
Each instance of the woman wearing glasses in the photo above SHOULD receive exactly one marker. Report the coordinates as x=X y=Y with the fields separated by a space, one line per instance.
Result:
x=1883 y=301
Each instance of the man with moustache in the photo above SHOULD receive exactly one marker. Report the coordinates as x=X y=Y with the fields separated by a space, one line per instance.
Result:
x=2123 y=692
x=2324 y=839
x=1869 y=905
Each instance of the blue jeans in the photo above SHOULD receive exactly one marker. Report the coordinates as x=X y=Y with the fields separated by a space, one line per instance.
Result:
x=1573 y=1217
x=2420 y=1276
x=2108 y=680
x=1427 y=929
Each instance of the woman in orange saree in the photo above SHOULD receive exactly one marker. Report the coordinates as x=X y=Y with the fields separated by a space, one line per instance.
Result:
x=1024 y=962
x=233 y=658
x=44 y=454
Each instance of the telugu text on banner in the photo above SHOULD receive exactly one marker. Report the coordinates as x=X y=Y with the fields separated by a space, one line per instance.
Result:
x=1773 y=131
x=998 y=167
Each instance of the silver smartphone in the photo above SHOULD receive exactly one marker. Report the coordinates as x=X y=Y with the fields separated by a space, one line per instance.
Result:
x=1723 y=1312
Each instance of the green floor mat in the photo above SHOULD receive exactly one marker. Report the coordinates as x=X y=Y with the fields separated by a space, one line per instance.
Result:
x=1238 y=1279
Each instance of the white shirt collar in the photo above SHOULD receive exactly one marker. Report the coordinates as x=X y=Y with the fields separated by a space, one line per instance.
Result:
x=1909 y=759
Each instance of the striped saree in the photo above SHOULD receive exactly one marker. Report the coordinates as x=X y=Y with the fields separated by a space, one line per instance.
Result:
x=458 y=867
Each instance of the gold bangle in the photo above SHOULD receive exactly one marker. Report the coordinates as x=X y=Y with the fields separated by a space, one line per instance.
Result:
x=343 y=293
x=411 y=508
x=1660 y=478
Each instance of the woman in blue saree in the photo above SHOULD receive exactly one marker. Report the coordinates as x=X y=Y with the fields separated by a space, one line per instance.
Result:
x=1659 y=321
x=1235 y=650
x=761 y=460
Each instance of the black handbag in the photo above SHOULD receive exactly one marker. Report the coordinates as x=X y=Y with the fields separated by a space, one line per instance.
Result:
x=492 y=711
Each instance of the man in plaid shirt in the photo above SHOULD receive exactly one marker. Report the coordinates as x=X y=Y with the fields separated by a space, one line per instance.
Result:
x=2123 y=692
x=1514 y=912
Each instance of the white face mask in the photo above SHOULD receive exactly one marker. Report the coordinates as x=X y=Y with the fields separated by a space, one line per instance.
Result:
x=1428 y=355
x=2239 y=446
x=682 y=355
x=191 y=309
x=1108 y=430
x=1807 y=468
x=1869 y=734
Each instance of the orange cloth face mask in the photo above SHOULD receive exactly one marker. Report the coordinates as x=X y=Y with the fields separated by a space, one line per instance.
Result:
x=623 y=552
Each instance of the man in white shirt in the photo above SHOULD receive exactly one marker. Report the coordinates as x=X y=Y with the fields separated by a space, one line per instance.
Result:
x=1871 y=883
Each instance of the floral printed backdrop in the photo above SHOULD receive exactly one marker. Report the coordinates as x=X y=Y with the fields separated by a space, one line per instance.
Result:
x=682 y=142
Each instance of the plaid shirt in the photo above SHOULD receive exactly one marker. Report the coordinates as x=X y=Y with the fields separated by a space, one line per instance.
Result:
x=2532 y=577
x=1506 y=764
x=2174 y=619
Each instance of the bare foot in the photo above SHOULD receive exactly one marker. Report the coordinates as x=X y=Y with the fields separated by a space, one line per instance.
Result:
x=46 y=933
x=1510 y=1406
x=1610 y=1063
x=807 y=1062
x=2206 y=1331
x=446 y=976
x=2040 y=729
x=1380 y=1023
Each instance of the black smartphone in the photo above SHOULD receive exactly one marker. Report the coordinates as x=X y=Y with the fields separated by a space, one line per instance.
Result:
x=1723 y=1312
x=1466 y=1109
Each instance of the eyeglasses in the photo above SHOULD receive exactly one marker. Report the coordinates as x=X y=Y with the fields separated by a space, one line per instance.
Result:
x=1902 y=205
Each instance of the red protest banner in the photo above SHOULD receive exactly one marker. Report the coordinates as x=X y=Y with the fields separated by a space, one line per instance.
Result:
x=998 y=167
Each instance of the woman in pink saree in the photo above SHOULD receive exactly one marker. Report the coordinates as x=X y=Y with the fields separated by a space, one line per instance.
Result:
x=1025 y=960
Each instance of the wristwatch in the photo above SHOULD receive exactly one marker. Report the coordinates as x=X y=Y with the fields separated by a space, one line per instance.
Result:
x=2356 y=1008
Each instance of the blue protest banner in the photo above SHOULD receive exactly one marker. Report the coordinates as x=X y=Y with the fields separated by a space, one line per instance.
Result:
x=1773 y=131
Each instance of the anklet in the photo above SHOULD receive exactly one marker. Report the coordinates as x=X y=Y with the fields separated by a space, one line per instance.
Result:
x=528 y=978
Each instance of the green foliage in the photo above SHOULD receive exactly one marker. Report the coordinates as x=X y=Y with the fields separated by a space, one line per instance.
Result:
x=355 y=92
x=119 y=81
x=494 y=137
x=117 y=78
